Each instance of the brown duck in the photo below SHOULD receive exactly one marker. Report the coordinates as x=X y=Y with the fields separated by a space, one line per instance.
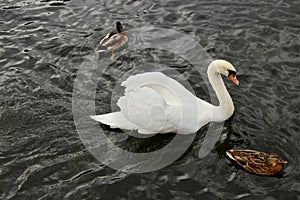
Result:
x=258 y=162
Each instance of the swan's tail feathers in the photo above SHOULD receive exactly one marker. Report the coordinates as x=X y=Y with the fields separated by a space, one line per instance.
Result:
x=114 y=120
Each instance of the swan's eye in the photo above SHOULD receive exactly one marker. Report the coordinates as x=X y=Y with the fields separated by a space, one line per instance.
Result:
x=231 y=72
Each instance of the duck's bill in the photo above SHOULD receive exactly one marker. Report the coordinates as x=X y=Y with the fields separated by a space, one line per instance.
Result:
x=284 y=162
x=234 y=79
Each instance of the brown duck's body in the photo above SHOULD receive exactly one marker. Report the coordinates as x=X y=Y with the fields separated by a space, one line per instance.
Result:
x=258 y=162
x=112 y=41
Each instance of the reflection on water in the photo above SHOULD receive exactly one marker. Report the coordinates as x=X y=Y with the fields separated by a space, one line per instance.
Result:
x=43 y=44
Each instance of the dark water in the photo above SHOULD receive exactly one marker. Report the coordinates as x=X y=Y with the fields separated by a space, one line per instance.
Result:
x=43 y=44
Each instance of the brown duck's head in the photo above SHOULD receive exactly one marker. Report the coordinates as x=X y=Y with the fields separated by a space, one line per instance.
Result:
x=119 y=27
x=277 y=163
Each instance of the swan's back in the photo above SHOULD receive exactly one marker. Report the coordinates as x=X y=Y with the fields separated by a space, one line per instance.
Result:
x=165 y=86
x=155 y=103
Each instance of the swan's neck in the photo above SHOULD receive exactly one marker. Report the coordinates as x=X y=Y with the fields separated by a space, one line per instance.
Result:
x=225 y=108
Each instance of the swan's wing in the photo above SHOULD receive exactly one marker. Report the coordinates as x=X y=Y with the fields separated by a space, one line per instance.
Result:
x=145 y=108
x=171 y=90
x=185 y=111
x=115 y=120
x=143 y=79
x=168 y=88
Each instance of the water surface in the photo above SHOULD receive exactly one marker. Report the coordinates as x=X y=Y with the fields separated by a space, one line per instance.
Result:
x=43 y=44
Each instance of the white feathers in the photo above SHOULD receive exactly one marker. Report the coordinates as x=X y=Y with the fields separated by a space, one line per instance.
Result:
x=156 y=103
x=105 y=38
x=114 y=120
x=153 y=103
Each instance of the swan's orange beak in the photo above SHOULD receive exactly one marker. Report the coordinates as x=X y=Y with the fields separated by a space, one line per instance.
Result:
x=234 y=79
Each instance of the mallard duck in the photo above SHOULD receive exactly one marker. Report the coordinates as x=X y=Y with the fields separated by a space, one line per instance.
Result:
x=113 y=41
x=258 y=162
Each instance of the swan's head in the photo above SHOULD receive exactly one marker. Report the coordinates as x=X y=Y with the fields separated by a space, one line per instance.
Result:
x=226 y=68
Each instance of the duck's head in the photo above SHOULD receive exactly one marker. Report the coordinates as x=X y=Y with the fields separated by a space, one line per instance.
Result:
x=226 y=68
x=119 y=27
x=277 y=164
x=275 y=160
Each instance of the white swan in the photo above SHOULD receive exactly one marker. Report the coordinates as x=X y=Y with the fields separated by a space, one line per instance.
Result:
x=155 y=103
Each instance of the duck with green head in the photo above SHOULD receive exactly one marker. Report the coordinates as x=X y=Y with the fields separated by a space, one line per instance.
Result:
x=112 y=41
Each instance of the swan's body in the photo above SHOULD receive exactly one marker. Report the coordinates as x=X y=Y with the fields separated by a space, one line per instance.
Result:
x=155 y=103
x=112 y=41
